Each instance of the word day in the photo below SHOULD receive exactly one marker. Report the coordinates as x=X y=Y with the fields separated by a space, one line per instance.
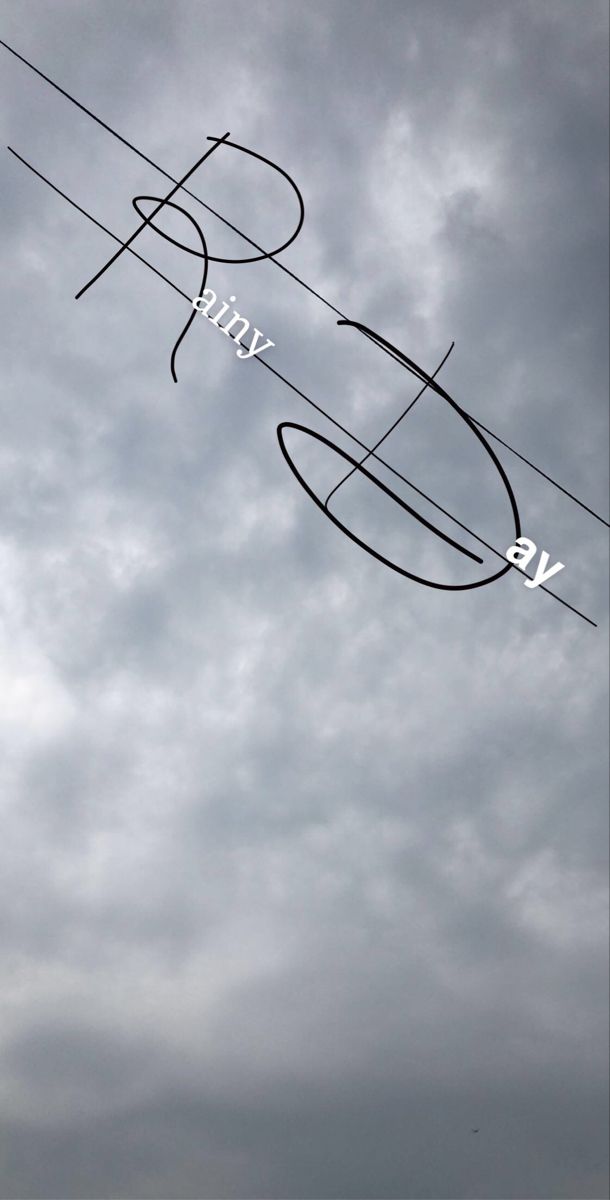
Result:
x=205 y=312
x=522 y=552
x=496 y=563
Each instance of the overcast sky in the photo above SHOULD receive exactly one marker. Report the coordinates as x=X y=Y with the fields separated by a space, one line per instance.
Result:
x=303 y=865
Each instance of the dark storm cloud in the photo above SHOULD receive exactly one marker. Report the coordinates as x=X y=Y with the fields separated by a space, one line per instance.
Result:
x=305 y=866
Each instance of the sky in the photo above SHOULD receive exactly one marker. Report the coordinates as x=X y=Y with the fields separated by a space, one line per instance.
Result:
x=304 y=865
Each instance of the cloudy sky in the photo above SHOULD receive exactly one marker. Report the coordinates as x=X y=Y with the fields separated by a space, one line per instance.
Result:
x=303 y=864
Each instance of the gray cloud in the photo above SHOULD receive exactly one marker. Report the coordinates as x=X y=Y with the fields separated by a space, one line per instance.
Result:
x=305 y=866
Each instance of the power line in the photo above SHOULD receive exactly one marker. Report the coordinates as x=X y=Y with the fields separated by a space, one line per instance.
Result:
x=281 y=266
x=298 y=392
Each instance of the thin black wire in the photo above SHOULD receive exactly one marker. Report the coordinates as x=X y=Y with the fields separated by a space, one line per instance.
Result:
x=391 y=429
x=300 y=393
x=281 y=266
